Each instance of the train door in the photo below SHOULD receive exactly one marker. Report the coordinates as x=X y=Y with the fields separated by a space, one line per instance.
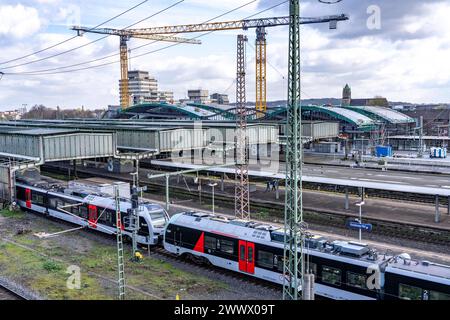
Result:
x=246 y=256
x=93 y=215
x=28 y=198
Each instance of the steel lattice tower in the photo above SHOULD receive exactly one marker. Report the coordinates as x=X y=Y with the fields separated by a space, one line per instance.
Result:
x=242 y=201
x=261 y=61
x=293 y=244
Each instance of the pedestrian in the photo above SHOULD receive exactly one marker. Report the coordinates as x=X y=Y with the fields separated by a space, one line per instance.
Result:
x=267 y=186
x=274 y=185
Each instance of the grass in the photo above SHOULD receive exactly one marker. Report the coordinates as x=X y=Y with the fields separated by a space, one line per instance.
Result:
x=12 y=214
x=41 y=265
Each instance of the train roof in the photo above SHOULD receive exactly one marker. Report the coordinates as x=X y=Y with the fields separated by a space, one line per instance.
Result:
x=266 y=233
x=98 y=199
x=420 y=269
x=364 y=254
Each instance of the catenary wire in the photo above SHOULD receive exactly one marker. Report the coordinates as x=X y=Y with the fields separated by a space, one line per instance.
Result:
x=37 y=73
x=115 y=54
x=91 y=42
x=71 y=38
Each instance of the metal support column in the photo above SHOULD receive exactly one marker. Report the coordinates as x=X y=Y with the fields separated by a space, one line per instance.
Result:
x=167 y=193
x=242 y=201
x=362 y=194
x=222 y=184
x=120 y=260
x=346 y=199
x=293 y=217
x=448 y=205
x=437 y=217
x=277 y=190
x=420 y=153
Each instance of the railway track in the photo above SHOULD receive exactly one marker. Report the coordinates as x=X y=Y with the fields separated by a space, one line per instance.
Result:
x=9 y=291
x=202 y=268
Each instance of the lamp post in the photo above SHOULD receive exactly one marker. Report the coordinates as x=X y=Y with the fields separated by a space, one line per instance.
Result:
x=212 y=185
x=360 y=204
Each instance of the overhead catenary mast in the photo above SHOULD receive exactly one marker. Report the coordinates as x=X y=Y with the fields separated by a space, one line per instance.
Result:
x=293 y=216
x=242 y=198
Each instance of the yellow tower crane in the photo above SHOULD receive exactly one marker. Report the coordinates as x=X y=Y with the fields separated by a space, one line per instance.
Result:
x=125 y=35
x=260 y=24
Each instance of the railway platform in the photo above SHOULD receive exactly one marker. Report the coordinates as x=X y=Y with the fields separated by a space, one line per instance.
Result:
x=404 y=212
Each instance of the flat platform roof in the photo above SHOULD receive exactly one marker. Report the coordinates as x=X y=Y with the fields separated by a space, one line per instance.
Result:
x=353 y=182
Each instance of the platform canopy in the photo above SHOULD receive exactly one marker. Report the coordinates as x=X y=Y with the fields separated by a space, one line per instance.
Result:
x=382 y=114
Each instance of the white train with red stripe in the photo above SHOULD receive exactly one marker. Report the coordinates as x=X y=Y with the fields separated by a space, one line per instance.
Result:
x=94 y=211
x=343 y=270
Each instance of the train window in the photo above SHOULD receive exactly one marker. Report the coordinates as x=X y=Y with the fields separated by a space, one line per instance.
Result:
x=20 y=193
x=242 y=252
x=435 y=295
x=156 y=215
x=265 y=259
x=210 y=243
x=83 y=212
x=356 y=280
x=75 y=210
x=53 y=202
x=226 y=246
x=143 y=227
x=250 y=254
x=408 y=292
x=331 y=275
x=278 y=261
x=37 y=198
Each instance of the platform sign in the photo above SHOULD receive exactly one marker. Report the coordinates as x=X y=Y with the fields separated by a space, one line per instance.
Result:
x=358 y=225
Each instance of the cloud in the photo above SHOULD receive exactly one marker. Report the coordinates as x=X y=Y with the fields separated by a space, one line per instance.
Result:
x=407 y=59
x=18 y=21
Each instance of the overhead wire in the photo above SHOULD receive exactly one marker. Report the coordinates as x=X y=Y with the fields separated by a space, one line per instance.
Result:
x=74 y=37
x=93 y=41
x=34 y=73
x=116 y=54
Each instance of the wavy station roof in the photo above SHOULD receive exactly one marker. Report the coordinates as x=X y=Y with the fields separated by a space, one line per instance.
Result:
x=166 y=110
x=382 y=114
x=341 y=114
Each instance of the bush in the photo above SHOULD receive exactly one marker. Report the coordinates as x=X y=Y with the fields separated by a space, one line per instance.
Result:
x=51 y=266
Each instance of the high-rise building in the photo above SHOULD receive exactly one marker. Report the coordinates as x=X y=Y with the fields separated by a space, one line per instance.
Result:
x=220 y=98
x=166 y=96
x=141 y=87
x=199 y=96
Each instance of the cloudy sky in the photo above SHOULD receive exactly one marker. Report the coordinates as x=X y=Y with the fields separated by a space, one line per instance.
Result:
x=403 y=55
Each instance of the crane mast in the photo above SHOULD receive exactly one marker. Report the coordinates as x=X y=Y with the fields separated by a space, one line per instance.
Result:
x=261 y=62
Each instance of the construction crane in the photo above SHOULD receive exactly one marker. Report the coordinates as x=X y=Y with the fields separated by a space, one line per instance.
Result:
x=125 y=35
x=260 y=24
